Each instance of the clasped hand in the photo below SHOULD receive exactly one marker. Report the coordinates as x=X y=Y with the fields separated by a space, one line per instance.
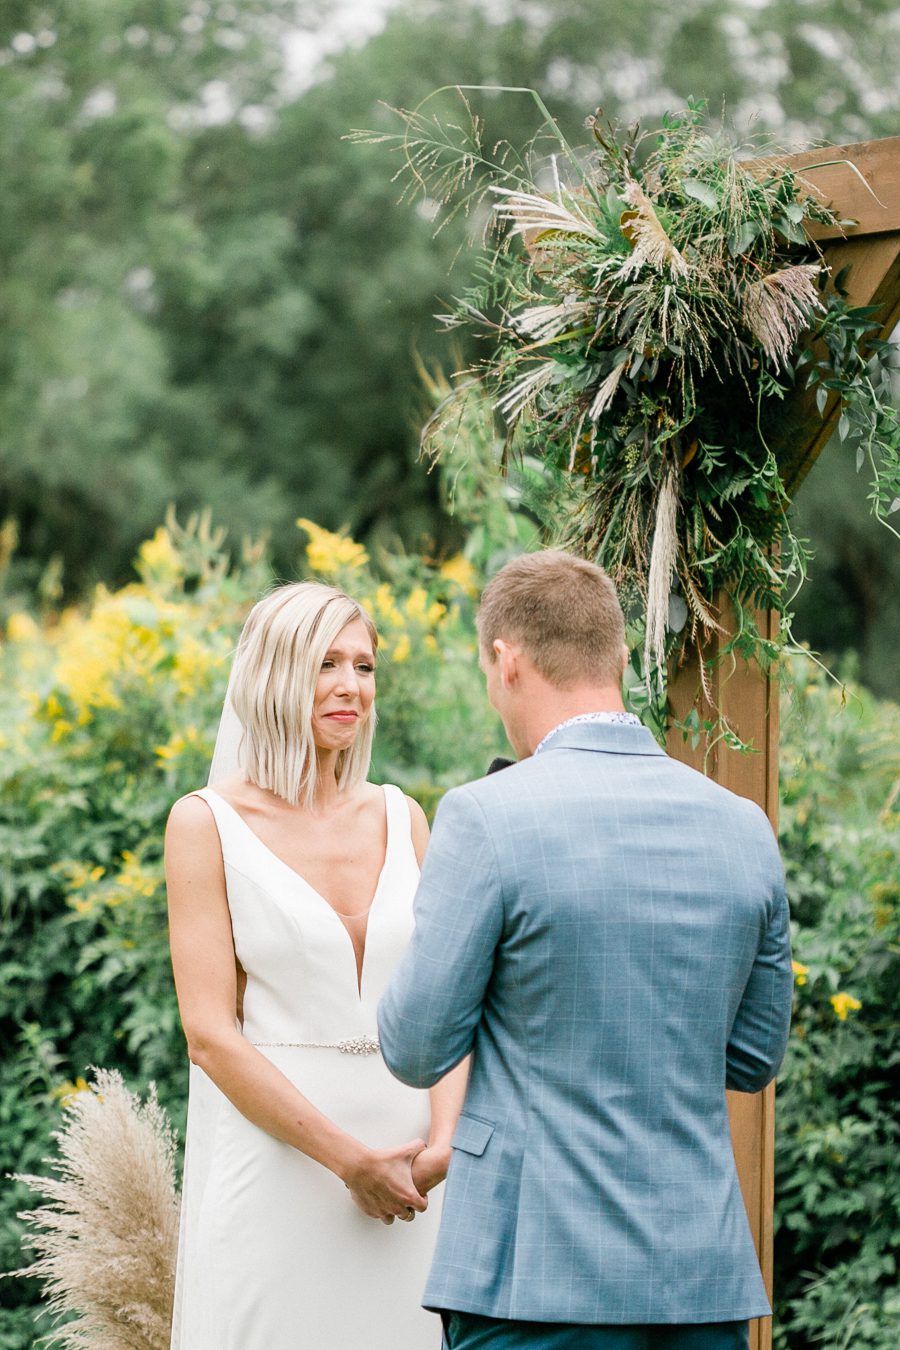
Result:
x=391 y=1183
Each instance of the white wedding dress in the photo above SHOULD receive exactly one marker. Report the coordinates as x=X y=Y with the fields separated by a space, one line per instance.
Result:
x=273 y=1253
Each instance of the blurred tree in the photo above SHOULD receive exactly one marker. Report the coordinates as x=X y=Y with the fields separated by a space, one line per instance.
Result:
x=102 y=102
x=849 y=601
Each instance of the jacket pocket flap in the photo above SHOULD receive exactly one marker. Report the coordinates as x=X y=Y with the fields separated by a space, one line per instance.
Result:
x=472 y=1134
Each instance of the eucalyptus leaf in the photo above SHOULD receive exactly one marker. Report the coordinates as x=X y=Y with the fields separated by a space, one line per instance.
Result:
x=678 y=612
x=701 y=192
x=790 y=231
x=741 y=240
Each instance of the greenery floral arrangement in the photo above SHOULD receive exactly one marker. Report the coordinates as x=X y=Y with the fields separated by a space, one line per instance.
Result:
x=648 y=302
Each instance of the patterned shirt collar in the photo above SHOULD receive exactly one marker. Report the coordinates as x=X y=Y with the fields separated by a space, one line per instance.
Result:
x=622 y=719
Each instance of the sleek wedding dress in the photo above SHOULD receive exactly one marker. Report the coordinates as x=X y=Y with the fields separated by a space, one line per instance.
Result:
x=273 y=1253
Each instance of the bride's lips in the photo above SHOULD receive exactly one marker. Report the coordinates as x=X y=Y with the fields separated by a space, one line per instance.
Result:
x=342 y=716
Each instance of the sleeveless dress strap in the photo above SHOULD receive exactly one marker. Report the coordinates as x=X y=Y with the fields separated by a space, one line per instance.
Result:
x=399 y=823
x=237 y=849
x=396 y=812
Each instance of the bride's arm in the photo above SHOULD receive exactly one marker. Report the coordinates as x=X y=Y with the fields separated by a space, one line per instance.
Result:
x=203 y=961
x=430 y=1166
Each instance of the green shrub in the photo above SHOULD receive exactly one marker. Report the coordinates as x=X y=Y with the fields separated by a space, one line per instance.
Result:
x=838 y=1137
x=108 y=713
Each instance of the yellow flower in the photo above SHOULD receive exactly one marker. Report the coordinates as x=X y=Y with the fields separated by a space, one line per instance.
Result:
x=385 y=606
x=177 y=744
x=158 y=558
x=81 y=877
x=67 y=1092
x=119 y=642
x=461 y=572
x=417 y=603
x=419 y=610
x=133 y=879
x=172 y=749
x=844 y=1003
x=61 y=727
x=326 y=552
x=21 y=627
x=193 y=665
x=402 y=649
x=800 y=971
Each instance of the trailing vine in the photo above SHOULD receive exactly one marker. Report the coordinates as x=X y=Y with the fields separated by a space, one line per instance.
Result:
x=648 y=303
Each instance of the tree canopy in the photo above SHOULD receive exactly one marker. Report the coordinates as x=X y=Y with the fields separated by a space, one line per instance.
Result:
x=210 y=298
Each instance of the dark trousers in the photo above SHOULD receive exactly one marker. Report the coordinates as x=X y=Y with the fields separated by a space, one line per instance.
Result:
x=470 y=1331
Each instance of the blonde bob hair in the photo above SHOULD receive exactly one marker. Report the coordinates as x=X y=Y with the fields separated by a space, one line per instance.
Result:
x=277 y=664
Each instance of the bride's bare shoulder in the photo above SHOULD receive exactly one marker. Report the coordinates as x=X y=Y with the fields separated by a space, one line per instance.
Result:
x=190 y=815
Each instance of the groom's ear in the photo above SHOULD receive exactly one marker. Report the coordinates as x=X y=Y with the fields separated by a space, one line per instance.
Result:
x=507 y=656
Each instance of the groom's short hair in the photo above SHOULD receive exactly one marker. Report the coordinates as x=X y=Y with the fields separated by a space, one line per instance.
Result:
x=563 y=611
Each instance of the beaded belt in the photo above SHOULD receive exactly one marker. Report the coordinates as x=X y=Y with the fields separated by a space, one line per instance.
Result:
x=359 y=1045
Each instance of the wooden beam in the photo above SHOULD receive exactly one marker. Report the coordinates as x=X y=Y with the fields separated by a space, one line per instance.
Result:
x=873 y=279
x=860 y=183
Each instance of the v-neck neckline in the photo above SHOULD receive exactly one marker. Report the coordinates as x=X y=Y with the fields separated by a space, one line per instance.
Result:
x=298 y=876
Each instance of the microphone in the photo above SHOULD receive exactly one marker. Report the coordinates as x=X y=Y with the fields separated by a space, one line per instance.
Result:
x=497 y=764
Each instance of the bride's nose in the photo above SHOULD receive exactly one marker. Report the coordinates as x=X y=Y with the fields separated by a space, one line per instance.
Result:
x=348 y=680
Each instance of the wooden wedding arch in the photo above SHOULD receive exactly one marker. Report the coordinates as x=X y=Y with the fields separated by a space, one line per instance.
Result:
x=864 y=186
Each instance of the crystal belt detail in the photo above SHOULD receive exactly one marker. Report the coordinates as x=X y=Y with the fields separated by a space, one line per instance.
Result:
x=358 y=1045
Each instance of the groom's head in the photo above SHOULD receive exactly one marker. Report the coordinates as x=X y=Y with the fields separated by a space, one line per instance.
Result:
x=552 y=638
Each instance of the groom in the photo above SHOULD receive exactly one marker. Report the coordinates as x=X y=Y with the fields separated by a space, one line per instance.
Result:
x=606 y=931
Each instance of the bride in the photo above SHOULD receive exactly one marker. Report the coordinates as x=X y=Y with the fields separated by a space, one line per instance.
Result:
x=290 y=882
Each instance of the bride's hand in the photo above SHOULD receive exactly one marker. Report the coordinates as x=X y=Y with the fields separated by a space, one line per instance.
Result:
x=382 y=1185
x=429 y=1167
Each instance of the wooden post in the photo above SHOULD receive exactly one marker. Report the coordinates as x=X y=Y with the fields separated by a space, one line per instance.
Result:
x=869 y=193
x=748 y=700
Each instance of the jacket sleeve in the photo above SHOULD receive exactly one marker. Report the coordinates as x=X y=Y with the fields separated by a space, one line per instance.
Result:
x=432 y=1006
x=759 y=1034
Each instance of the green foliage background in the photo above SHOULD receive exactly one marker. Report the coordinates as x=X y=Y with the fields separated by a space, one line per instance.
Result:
x=208 y=297
x=108 y=714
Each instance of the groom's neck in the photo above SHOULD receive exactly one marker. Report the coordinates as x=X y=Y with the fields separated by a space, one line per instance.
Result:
x=544 y=707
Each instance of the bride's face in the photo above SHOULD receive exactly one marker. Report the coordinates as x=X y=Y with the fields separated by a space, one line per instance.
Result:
x=345 y=690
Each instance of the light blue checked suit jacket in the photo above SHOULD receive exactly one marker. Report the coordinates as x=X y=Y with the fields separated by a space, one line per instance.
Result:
x=607 y=931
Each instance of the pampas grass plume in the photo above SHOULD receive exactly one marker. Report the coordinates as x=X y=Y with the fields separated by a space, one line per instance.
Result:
x=663 y=557
x=106 y=1239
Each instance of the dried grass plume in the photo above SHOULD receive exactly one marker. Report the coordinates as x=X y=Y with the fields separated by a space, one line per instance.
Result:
x=651 y=245
x=106 y=1240
x=663 y=557
x=779 y=306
